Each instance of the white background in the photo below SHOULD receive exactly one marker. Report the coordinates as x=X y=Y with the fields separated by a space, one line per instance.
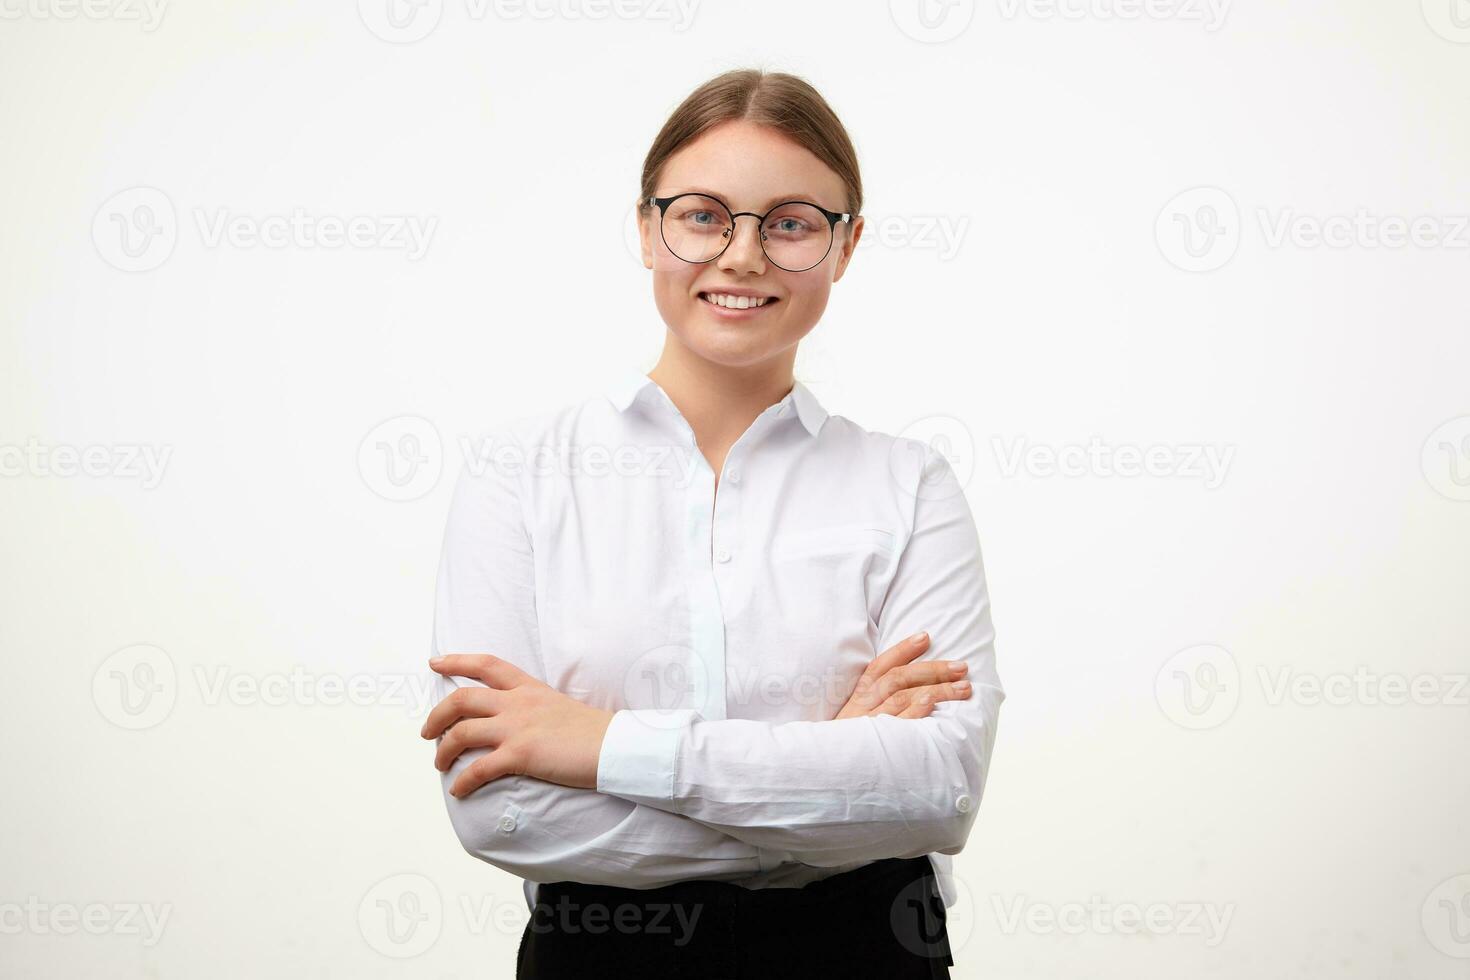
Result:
x=1031 y=284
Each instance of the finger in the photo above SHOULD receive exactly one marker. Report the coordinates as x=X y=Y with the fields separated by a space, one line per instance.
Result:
x=920 y=706
x=472 y=733
x=917 y=675
x=929 y=672
x=869 y=690
x=463 y=702
x=493 y=670
x=932 y=694
x=900 y=653
x=483 y=770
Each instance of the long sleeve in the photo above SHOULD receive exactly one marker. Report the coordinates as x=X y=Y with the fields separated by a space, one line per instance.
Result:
x=836 y=791
x=486 y=602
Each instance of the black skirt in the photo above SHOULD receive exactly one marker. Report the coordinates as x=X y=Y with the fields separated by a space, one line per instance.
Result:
x=885 y=919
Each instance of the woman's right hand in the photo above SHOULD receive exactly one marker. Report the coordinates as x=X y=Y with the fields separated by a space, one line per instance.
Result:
x=891 y=685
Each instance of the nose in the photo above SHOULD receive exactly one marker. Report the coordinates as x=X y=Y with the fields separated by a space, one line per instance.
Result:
x=744 y=253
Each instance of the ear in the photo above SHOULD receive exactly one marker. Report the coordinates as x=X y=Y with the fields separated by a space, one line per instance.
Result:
x=849 y=245
x=647 y=228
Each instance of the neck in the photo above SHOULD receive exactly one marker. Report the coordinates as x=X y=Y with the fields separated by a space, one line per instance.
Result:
x=719 y=401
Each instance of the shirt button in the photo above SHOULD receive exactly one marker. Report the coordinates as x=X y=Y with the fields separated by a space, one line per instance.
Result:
x=722 y=555
x=734 y=476
x=507 y=823
x=963 y=803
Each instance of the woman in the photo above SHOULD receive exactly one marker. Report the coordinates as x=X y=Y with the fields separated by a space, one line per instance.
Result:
x=658 y=609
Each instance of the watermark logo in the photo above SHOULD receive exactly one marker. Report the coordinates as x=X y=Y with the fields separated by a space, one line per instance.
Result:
x=402 y=458
x=401 y=916
x=950 y=439
x=1446 y=917
x=1445 y=459
x=400 y=21
x=1199 y=229
x=932 y=21
x=1450 y=19
x=136 y=687
x=136 y=230
x=922 y=924
x=665 y=681
x=1201 y=687
x=1198 y=687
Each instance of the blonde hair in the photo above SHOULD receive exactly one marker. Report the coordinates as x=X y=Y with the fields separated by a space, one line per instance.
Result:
x=784 y=102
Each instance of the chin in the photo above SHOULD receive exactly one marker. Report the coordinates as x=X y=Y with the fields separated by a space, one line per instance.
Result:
x=730 y=351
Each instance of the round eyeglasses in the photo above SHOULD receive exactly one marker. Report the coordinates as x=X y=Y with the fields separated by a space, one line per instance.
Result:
x=795 y=235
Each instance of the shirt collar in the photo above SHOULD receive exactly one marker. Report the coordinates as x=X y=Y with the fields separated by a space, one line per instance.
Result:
x=629 y=386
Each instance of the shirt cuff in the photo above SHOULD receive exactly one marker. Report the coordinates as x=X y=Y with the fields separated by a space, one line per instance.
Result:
x=639 y=751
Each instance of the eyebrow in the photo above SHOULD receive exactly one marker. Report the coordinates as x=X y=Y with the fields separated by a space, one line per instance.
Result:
x=809 y=198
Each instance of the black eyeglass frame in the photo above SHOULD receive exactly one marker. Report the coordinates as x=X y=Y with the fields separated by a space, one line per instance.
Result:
x=832 y=218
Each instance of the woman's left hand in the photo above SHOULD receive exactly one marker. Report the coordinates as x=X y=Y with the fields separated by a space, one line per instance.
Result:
x=531 y=728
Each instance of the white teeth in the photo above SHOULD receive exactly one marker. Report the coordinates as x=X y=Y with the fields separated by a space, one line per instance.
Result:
x=736 y=302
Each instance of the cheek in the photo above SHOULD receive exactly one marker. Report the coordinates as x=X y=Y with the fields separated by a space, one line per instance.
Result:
x=665 y=262
x=808 y=303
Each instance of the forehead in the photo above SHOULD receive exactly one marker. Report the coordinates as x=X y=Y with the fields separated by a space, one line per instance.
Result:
x=750 y=165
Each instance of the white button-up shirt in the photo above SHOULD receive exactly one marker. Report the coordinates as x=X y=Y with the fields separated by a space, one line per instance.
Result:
x=726 y=626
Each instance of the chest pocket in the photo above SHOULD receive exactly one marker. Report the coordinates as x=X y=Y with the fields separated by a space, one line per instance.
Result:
x=834 y=545
x=835 y=577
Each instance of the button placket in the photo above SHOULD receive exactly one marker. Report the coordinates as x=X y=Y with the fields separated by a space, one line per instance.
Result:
x=710 y=553
x=706 y=622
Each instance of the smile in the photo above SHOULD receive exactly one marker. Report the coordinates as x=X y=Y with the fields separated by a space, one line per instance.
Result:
x=725 y=301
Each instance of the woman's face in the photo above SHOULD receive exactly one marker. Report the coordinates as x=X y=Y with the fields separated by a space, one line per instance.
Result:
x=750 y=168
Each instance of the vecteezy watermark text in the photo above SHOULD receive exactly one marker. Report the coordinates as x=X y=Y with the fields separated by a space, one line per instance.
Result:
x=1201 y=229
x=1206 y=463
x=126 y=461
x=1103 y=918
x=38 y=918
x=148 y=14
x=1201 y=686
x=136 y=230
x=1210 y=13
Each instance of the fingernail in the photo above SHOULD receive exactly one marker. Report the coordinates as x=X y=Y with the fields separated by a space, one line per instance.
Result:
x=919 y=637
x=962 y=687
x=435 y=661
x=958 y=668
